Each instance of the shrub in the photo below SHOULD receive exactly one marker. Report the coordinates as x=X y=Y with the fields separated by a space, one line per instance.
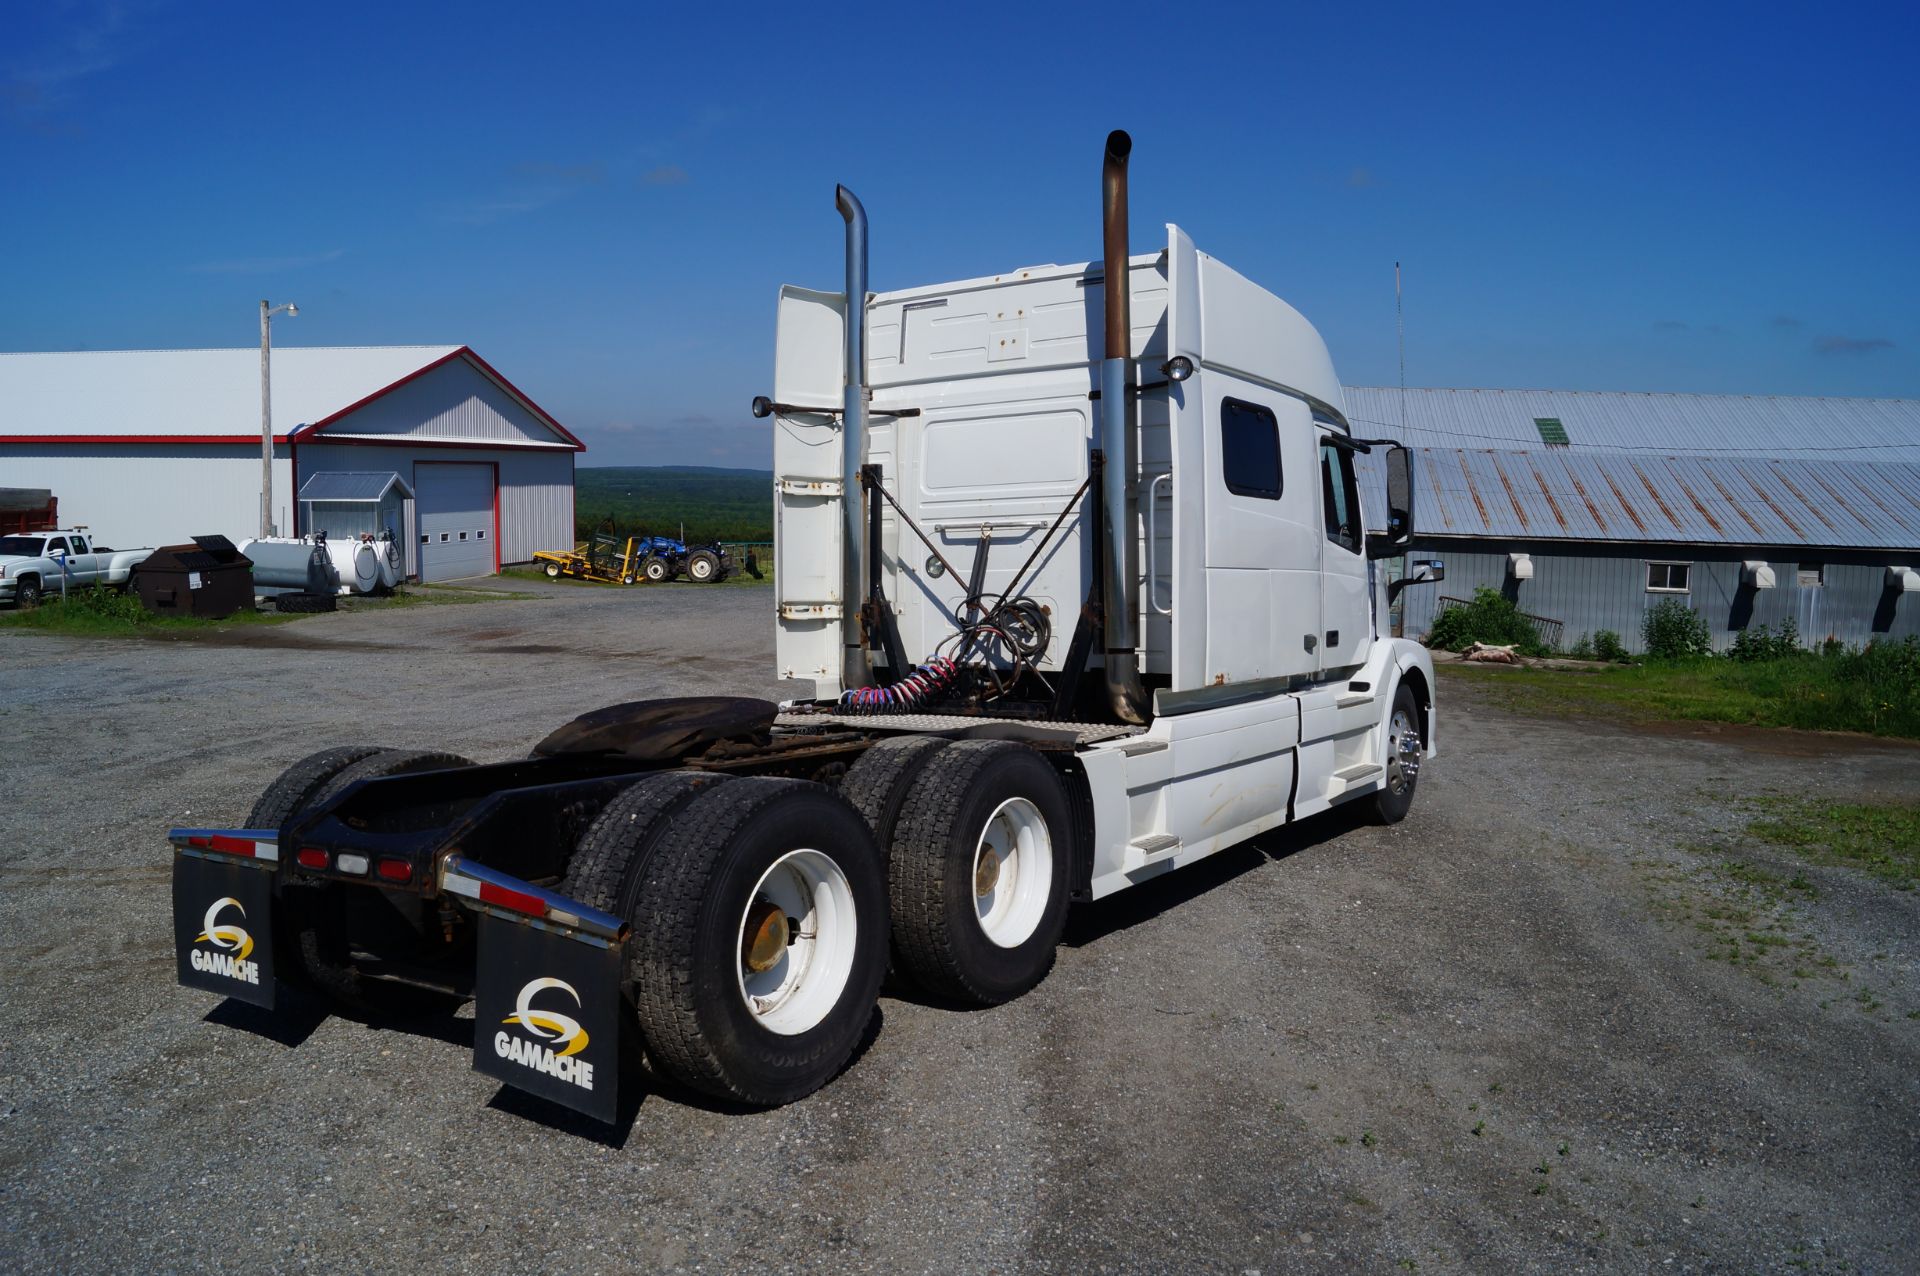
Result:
x=1489 y=618
x=1762 y=643
x=1673 y=631
x=1582 y=648
x=1607 y=646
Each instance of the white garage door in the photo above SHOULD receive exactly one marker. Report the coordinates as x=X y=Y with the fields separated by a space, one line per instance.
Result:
x=455 y=503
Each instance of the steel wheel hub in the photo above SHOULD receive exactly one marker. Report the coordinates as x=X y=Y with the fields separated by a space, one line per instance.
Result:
x=1403 y=753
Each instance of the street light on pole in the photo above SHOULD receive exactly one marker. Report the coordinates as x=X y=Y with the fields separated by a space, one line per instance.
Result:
x=266 y=413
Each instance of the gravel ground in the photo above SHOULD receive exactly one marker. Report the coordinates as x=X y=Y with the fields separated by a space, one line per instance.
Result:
x=1487 y=1039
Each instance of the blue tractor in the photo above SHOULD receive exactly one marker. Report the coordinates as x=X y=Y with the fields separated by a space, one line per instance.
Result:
x=662 y=558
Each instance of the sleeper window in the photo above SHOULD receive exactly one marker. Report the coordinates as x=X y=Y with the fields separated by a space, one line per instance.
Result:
x=1249 y=450
x=1339 y=497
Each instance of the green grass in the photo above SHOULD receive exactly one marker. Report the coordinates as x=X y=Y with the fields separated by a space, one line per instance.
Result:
x=1846 y=692
x=108 y=613
x=1881 y=840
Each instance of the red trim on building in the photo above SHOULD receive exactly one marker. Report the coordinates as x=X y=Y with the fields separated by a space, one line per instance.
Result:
x=496 y=518
x=155 y=440
x=486 y=369
x=482 y=445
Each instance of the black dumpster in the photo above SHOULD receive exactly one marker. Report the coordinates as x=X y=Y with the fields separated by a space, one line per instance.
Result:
x=207 y=578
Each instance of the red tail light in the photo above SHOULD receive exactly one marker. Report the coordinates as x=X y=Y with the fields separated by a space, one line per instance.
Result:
x=311 y=857
x=394 y=870
x=518 y=901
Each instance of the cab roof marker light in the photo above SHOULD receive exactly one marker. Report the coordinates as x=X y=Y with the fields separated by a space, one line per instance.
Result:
x=257 y=844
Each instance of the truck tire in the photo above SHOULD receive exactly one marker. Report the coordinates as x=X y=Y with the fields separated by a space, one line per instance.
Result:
x=878 y=783
x=296 y=786
x=1401 y=759
x=610 y=863
x=703 y=567
x=316 y=922
x=26 y=593
x=304 y=604
x=657 y=569
x=759 y=870
x=978 y=872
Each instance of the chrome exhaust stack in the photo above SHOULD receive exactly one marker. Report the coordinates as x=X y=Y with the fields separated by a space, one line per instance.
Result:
x=1119 y=539
x=856 y=670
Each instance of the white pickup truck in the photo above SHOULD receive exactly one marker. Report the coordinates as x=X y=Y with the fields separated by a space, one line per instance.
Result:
x=33 y=563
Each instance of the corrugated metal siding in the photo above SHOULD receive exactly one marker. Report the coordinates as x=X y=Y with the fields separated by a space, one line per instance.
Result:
x=1607 y=589
x=456 y=401
x=1723 y=424
x=536 y=503
x=153 y=495
x=1644 y=498
x=535 y=491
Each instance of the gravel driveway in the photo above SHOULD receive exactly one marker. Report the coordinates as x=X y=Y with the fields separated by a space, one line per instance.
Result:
x=1494 y=1037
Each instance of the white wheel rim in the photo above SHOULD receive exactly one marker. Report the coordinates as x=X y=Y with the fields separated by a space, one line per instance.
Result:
x=1017 y=838
x=805 y=984
x=702 y=570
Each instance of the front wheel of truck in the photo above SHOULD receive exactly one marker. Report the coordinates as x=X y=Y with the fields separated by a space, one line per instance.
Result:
x=759 y=940
x=1405 y=747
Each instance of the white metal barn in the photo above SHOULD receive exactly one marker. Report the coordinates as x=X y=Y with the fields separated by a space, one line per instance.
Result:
x=149 y=447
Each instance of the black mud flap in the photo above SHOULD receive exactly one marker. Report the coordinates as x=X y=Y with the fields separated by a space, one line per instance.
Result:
x=547 y=1014
x=223 y=926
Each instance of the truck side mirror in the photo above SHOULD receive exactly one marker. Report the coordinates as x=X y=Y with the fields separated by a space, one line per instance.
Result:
x=1423 y=572
x=1399 y=533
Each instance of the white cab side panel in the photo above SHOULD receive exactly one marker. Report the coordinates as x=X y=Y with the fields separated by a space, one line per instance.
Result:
x=807 y=496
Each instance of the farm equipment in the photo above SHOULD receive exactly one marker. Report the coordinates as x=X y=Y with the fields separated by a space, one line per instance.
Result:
x=664 y=558
x=642 y=558
x=602 y=557
x=1068 y=631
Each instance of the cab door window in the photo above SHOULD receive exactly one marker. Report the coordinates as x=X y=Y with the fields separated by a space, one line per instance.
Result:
x=1340 y=498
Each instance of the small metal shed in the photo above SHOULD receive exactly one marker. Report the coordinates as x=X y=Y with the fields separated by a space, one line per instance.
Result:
x=348 y=503
x=207 y=578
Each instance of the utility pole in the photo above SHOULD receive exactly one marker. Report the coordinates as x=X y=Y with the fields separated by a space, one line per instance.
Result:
x=266 y=413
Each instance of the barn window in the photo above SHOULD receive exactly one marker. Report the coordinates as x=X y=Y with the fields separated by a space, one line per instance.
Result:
x=1668 y=578
x=444 y=537
x=1812 y=575
x=463 y=536
x=1249 y=450
x=479 y=536
x=426 y=538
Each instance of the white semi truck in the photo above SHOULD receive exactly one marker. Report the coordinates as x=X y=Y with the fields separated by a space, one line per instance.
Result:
x=1076 y=560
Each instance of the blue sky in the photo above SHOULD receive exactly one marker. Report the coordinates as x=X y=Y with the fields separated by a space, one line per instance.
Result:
x=603 y=201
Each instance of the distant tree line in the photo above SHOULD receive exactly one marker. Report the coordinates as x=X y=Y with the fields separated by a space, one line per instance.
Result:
x=715 y=504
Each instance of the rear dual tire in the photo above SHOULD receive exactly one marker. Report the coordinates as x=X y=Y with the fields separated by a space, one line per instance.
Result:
x=980 y=853
x=310 y=922
x=759 y=916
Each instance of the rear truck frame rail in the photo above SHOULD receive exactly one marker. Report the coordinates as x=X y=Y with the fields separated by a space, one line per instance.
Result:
x=547 y=976
x=1068 y=631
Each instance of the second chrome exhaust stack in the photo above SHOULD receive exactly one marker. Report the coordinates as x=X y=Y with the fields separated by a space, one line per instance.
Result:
x=856 y=671
x=1120 y=557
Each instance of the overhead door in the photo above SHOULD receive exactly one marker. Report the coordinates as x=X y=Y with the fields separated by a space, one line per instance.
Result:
x=456 y=504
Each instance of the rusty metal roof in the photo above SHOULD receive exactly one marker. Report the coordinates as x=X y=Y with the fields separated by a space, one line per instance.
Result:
x=1562 y=494
x=1782 y=426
